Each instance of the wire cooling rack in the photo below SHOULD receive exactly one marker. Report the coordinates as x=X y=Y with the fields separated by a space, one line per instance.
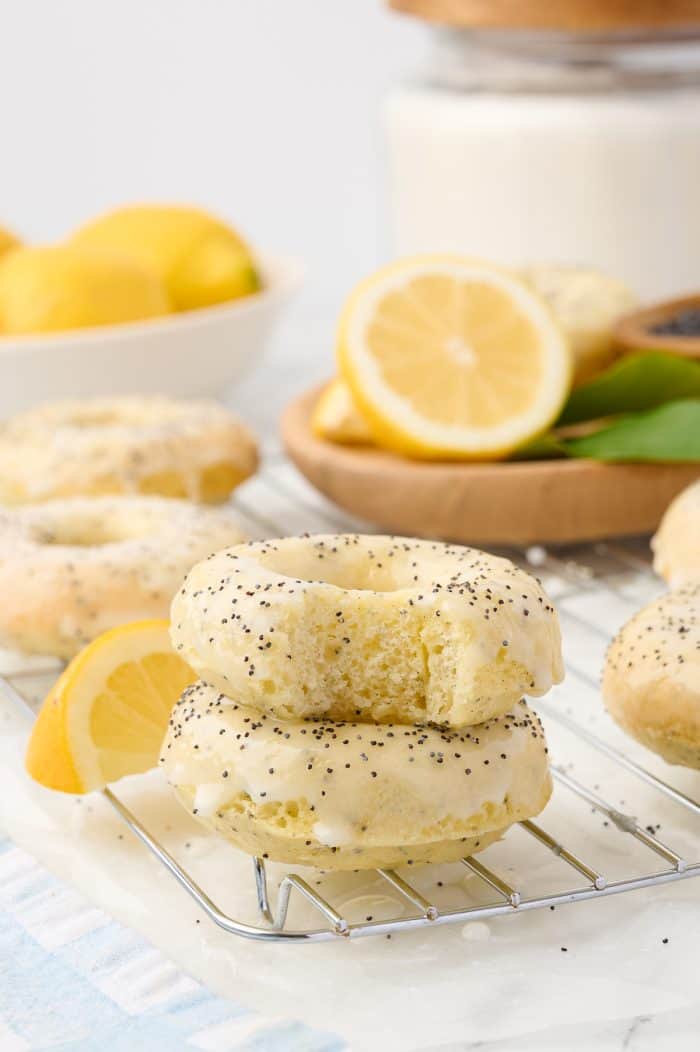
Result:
x=596 y=588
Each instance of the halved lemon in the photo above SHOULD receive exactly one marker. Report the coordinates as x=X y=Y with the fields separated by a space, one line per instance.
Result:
x=452 y=358
x=107 y=714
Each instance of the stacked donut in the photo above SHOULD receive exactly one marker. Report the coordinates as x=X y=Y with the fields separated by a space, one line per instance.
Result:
x=360 y=699
x=651 y=681
x=98 y=520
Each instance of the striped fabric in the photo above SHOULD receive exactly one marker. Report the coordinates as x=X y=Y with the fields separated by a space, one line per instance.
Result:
x=71 y=978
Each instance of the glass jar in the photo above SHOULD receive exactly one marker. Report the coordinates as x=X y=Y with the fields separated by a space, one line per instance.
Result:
x=553 y=146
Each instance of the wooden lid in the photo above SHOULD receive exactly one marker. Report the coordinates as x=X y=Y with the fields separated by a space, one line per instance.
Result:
x=584 y=15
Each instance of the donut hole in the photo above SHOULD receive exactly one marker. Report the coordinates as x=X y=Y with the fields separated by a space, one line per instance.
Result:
x=94 y=533
x=88 y=417
x=98 y=416
x=380 y=574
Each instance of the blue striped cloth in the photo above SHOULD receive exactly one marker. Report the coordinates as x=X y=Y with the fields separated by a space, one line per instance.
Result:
x=71 y=978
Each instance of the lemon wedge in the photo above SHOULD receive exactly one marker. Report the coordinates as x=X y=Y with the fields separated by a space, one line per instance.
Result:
x=107 y=714
x=337 y=418
x=449 y=357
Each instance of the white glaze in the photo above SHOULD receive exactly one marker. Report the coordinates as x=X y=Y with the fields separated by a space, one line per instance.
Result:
x=79 y=566
x=359 y=784
x=368 y=627
x=676 y=544
x=63 y=448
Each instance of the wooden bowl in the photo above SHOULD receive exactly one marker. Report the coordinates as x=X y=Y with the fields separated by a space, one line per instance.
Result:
x=632 y=332
x=529 y=502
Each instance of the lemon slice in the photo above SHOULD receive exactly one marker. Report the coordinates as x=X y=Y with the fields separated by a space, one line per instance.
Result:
x=107 y=714
x=452 y=358
x=337 y=418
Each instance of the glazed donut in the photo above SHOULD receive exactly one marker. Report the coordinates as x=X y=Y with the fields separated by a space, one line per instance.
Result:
x=198 y=450
x=651 y=682
x=676 y=544
x=345 y=795
x=71 y=569
x=380 y=629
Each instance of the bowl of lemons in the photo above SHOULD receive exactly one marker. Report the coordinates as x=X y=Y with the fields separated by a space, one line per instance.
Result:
x=147 y=298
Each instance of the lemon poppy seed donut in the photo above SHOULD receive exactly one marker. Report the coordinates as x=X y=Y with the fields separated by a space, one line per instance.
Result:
x=372 y=628
x=150 y=445
x=72 y=569
x=348 y=795
x=651 y=682
x=676 y=544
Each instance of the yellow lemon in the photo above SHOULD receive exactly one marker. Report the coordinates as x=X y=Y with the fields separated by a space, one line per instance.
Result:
x=7 y=241
x=55 y=288
x=108 y=712
x=201 y=260
x=452 y=358
x=337 y=418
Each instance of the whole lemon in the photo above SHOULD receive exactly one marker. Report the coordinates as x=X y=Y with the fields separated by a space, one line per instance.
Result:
x=54 y=288
x=7 y=240
x=201 y=260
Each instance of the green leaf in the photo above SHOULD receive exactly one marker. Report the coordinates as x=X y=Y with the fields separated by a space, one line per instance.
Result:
x=668 y=433
x=637 y=382
x=546 y=447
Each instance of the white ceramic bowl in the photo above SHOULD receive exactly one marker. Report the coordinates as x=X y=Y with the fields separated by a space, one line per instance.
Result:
x=197 y=353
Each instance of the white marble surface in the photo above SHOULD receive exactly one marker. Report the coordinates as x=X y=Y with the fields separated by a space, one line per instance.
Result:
x=662 y=1032
x=430 y=990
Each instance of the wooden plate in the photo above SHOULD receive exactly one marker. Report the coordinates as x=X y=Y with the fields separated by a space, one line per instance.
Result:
x=512 y=503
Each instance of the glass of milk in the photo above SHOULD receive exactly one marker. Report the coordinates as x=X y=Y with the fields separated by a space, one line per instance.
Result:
x=583 y=148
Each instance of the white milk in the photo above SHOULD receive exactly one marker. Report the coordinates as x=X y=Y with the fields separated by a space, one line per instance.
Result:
x=579 y=154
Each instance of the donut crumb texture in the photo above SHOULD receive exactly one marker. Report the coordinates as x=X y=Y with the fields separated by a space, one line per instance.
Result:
x=371 y=628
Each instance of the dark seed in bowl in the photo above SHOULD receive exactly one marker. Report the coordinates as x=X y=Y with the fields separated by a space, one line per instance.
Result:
x=685 y=323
